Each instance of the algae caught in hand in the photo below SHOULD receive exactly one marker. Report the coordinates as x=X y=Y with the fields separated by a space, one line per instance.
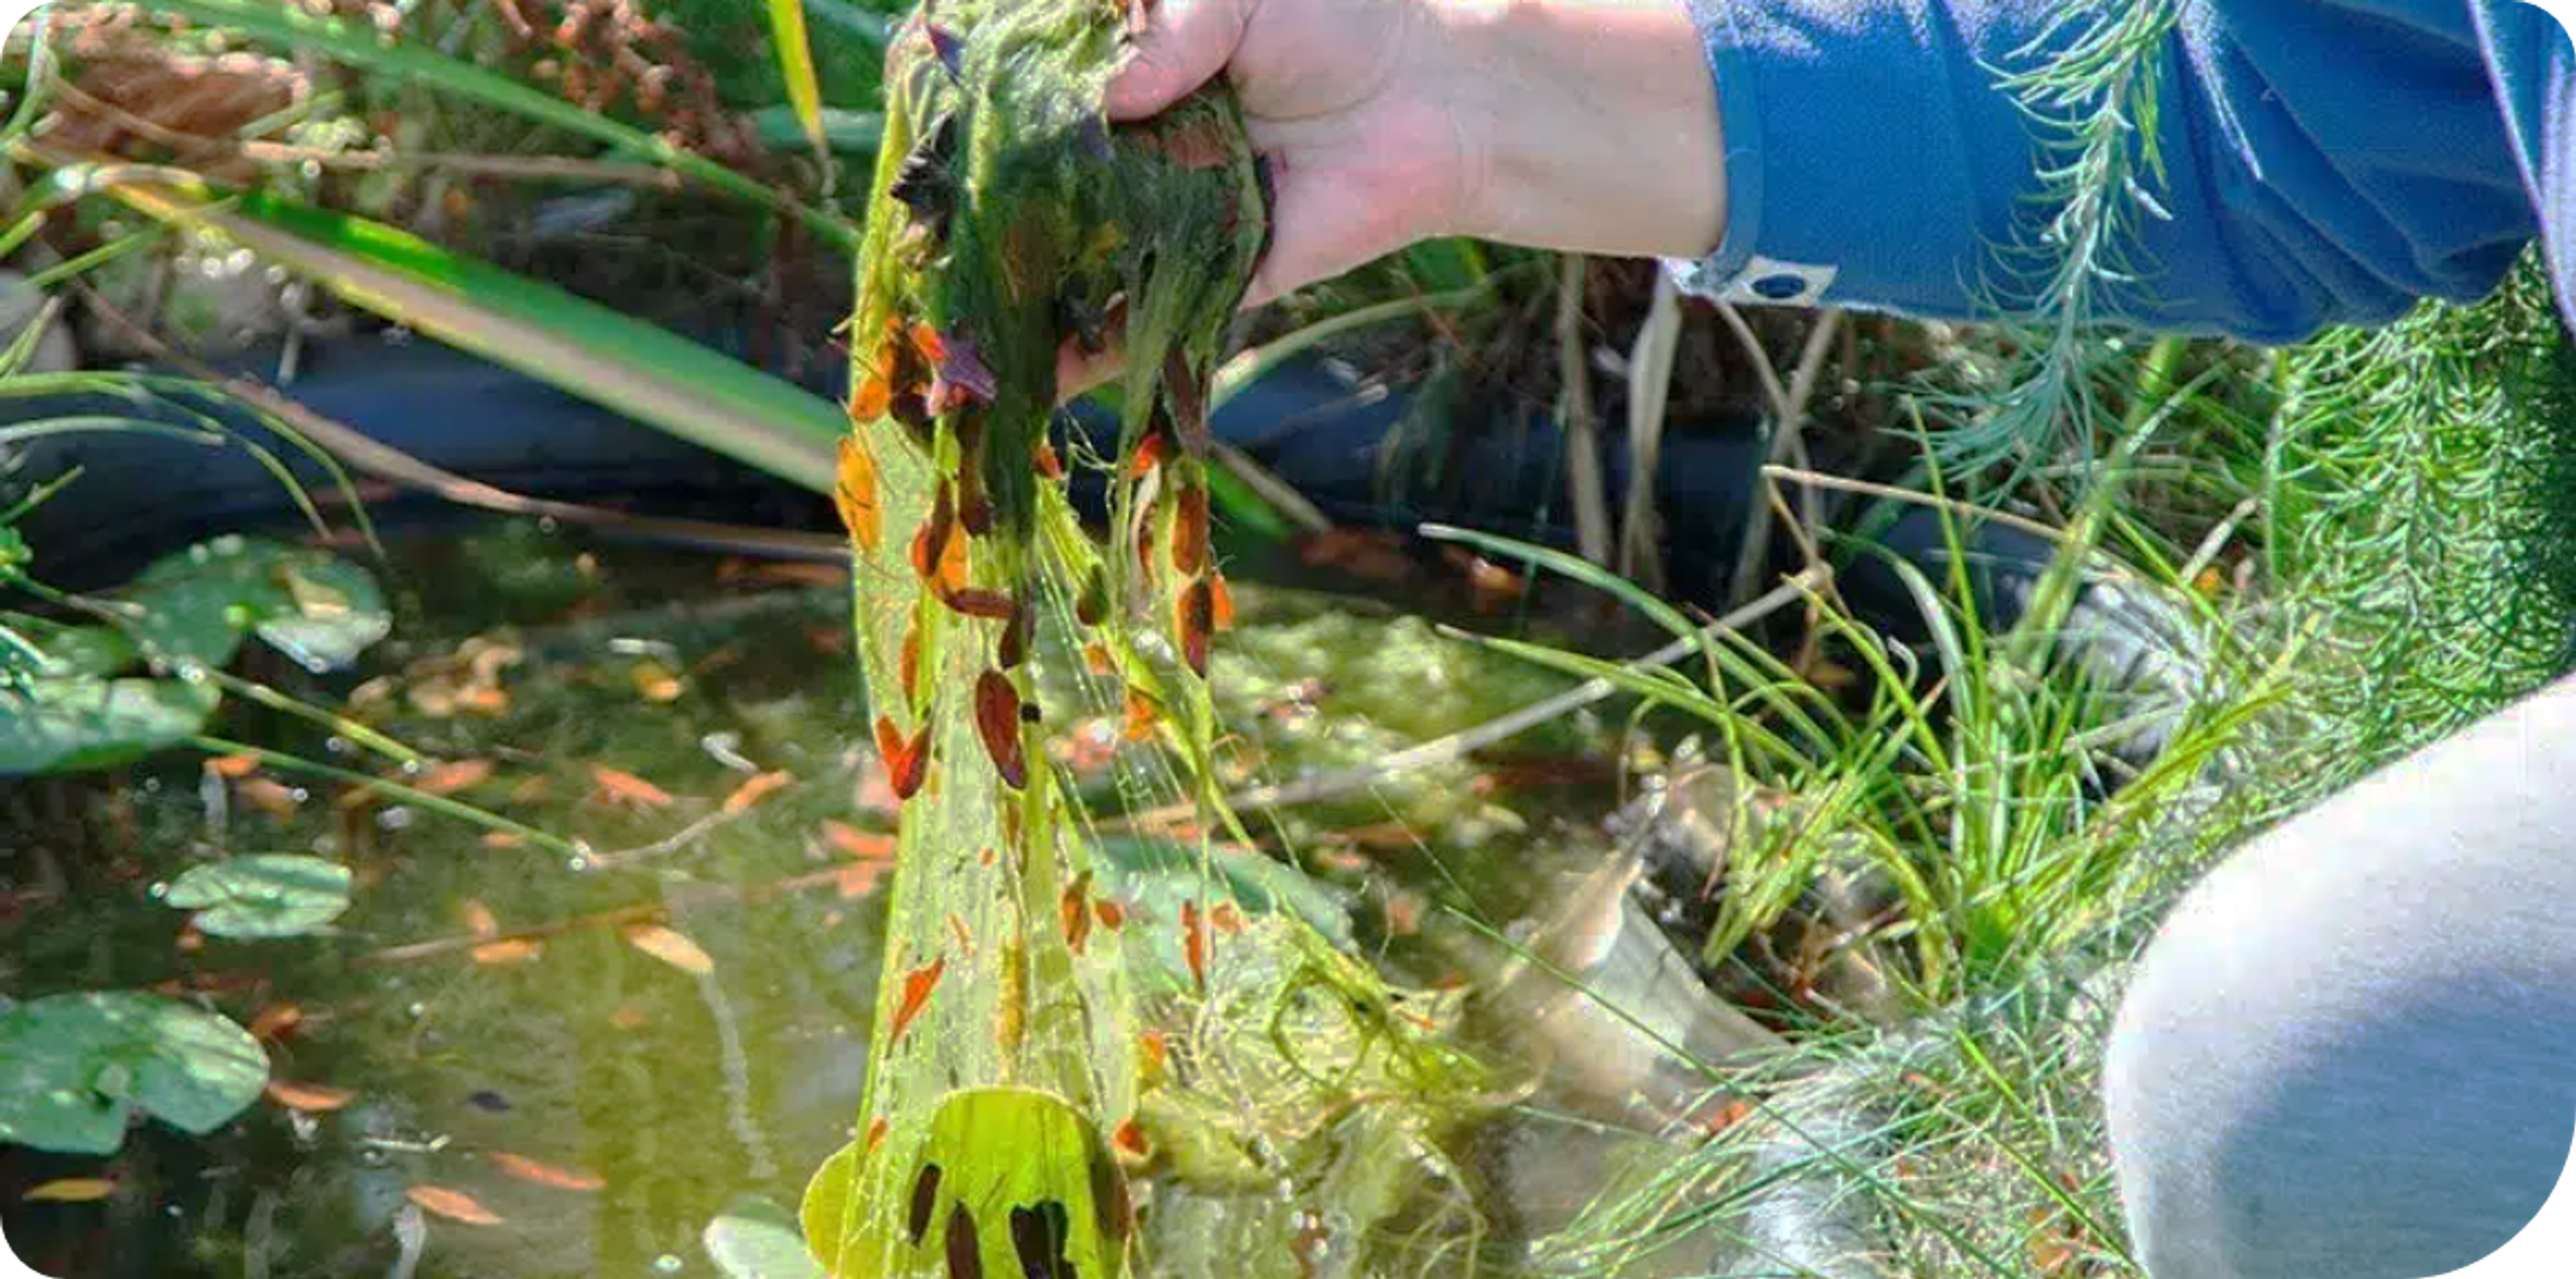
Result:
x=1009 y=219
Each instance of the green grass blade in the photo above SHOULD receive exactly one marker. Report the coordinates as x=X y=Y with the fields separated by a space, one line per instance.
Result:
x=796 y=65
x=645 y=372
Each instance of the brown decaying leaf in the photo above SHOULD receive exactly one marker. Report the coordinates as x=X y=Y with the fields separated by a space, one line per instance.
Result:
x=455 y=1205
x=1130 y=1139
x=621 y=787
x=1220 y=602
x=1190 y=529
x=311 y=1098
x=1148 y=454
x=1194 y=616
x=1194 y=942
x=997 y=722
x=1226 y=918
x=1075 y=910
x=907 y=762
x=856 y=492
x=755 y=789
x=1141 y=714
x=543 y=1174
x=672 y=947
x=980 y=601
x=917 y=986
x=908 y=664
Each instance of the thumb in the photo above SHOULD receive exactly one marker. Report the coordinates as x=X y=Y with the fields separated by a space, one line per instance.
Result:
x=1184 y=44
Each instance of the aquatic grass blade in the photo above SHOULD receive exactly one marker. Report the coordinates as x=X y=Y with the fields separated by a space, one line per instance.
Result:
x=646 y=372
x=796 y=64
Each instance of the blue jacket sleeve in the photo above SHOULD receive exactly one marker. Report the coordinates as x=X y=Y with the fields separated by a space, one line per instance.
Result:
x=2323 y=161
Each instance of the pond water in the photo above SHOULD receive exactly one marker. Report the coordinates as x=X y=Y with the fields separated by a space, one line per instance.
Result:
x=601 y=1060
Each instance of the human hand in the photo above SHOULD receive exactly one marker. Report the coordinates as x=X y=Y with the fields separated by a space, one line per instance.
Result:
x=1584 y=125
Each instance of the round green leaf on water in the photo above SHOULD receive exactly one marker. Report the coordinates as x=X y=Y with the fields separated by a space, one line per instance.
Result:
x=63 y=725
x=72 y=1066
x=314 y=607
x=265 y=895
x=70 y=651
x=757 y=1239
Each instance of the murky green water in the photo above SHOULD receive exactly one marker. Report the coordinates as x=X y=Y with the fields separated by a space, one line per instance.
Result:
x=482 y=1002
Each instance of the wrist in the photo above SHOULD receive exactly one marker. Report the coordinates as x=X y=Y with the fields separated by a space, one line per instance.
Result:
x=1585 y=125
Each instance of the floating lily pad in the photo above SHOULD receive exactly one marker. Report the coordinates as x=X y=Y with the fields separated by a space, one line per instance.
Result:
x=757 y=1239
x=74 y=1067
x=60 y=725
x=265 y=895
x=97 y=651
x=197 y=605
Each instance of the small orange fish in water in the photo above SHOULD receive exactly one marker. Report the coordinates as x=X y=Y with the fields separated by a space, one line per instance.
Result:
x=621 y=787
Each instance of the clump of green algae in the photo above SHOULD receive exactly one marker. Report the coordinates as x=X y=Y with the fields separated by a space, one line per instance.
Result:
x=1009 y=220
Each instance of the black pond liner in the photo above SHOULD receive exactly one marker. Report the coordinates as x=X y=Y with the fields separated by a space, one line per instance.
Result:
x=1325 y=434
